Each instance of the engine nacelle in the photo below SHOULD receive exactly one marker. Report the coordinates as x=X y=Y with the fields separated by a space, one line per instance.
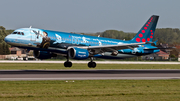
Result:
x=43 y=54
x=78 y=53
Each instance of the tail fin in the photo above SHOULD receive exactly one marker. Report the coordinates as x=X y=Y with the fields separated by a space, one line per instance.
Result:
x=146 y=33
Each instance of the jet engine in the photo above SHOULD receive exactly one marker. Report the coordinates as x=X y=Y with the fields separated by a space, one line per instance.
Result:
x=43 y=54
x=78 y=53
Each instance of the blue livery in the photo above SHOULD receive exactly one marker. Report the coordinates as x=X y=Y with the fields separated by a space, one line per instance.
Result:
x=47 y=44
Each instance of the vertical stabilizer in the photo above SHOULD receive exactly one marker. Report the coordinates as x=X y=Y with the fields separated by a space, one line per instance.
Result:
x=146 y=33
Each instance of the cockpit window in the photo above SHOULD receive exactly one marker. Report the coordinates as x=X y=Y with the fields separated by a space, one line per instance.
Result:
x=14 y=33
x=19 y=33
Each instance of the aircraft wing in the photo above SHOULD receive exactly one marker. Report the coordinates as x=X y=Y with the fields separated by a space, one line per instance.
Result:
x=107 y=48
x=118 y=47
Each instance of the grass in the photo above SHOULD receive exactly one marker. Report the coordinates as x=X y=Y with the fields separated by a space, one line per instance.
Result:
x=90 y=90
x=30 y=66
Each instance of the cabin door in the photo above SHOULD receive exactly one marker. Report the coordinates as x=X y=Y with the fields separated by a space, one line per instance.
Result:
x=33 y=35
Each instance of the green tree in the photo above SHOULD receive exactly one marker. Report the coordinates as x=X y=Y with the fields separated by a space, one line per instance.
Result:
x=117 y=34
x=167 y=35
x=4 y=47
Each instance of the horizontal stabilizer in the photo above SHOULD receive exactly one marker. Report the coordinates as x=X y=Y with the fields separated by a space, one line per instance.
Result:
x=160 y=48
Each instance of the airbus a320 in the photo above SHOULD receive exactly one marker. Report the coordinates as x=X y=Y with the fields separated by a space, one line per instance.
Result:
x=46 y=44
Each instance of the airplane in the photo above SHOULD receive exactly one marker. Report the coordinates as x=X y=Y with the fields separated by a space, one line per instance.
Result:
x=46 y=44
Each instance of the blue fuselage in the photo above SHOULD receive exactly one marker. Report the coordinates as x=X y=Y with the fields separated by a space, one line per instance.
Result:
x=58 y=42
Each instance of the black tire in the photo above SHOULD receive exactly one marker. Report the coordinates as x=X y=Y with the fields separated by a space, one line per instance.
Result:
x=93 y=64
x=24 y=58
x=90 y=65
x=67 y=64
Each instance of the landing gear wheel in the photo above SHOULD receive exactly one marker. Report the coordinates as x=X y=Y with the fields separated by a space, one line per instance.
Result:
x=25 y=59
x=91 y=64
x=67 y=64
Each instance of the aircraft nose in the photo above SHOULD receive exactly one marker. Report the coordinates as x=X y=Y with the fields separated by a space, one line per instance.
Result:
x=6 y=39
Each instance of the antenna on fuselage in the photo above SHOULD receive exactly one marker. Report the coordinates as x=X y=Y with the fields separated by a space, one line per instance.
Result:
x=30 y=27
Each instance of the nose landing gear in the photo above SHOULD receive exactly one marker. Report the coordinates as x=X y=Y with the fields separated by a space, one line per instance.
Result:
x=26 y=58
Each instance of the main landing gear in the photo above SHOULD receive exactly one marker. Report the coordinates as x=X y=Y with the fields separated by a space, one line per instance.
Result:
x=68 y=63
x=91 y=64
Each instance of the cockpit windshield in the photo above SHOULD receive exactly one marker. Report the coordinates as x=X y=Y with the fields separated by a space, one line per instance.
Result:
x=19 y=33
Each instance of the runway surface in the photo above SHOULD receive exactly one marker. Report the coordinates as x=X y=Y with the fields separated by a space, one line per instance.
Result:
x=98 y=62
x=87 y=74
